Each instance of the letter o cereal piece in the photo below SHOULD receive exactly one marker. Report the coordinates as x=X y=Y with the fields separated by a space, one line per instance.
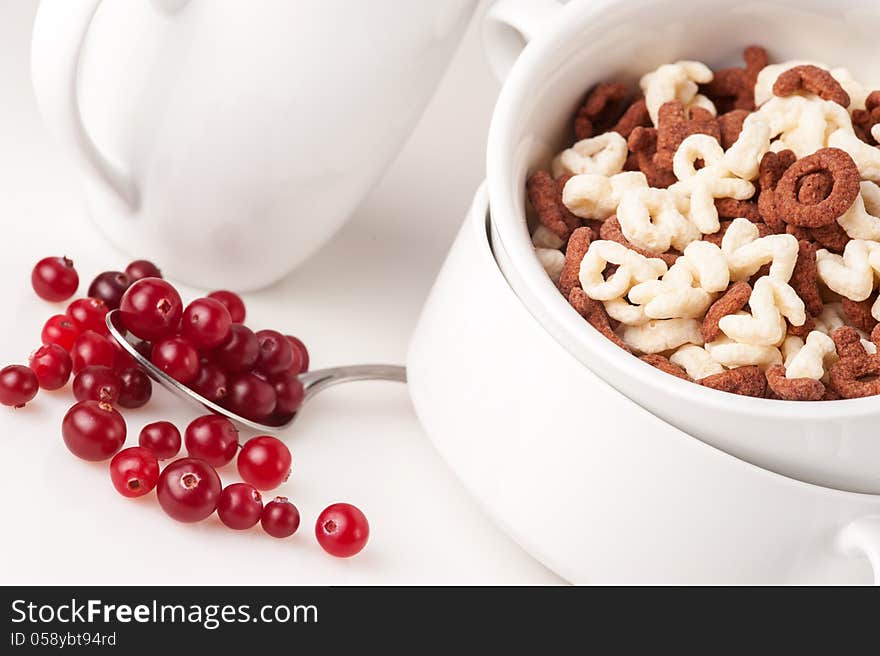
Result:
x=840 y=166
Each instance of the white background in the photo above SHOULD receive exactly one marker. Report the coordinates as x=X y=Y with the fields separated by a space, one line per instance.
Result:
x=357 y=300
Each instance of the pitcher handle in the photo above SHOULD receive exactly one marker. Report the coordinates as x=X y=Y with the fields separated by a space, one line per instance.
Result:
x=59 y=33
x=861 y=538
x=509 y=25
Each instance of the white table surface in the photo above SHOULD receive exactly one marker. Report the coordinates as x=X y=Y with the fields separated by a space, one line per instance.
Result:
x=356 y=301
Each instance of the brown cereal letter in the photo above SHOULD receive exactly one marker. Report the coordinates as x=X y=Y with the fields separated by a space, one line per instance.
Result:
x=601 y=109
x=848 y=343
x=803 y=278
x=745 y=381
x=773 y=166
x=643 y=143
x=840 y=166
x=635 y=116
x=730 y=124
x=730 y=208
x=734 y=300
x=859 y=313
x=545 y=195
x=813 y=79
x=674 y=126
x=793 y=389
x=577 y=247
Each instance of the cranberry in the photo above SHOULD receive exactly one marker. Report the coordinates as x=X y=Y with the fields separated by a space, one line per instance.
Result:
x=289 y=393
x=52 y=365
x=140 y=269
x=54 y=279
x=177 y=358
x=97 y=383
x=206 y=323
x=89 y=314
x=151 y=309
x=18 y=385
x=188 y=490
x=134 y=471
x=93 y=430
x=280 y=518
x=90 y=348
x=300 y=355
x=342 y=530
x=136 y=388
x=60 y=330
x=264 y=462
x=162 y=438
x=109 y=287
x=240 y=350
x=211 y=438
x=275 y=352
x=233 y=303
x=239 y=506
x=250 y=396
x=210 y=383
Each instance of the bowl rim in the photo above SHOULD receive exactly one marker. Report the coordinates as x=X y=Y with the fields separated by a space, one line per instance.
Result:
x=535 y=289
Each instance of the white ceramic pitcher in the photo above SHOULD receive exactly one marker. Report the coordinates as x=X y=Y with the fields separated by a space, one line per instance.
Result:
x=229 y=140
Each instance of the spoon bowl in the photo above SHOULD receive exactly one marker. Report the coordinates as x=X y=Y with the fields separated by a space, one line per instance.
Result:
x=313 y=381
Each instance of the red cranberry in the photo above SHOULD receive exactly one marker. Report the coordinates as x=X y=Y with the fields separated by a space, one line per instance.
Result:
x=240 y=350
x=210 y=383
x=250 y=396
x=52 y=365
x=233 y=303
x=136 y=388
x=89 y=349
x=211 y=438
x=60 y=330
x=162 y=439
x=188 y=490
x=239 y=506
x=206 y=323
x=134 y=471
x=342 y=530
x=300 y=355
x=151 y=309
x=264 y=462
x=289 y=393
x=177 y=358
x=109 y=287
x=89 y=314
x=93 y=430
x=140 y=269
x=280 y=518
x=54 y=279
x=18 y=385
x=96 y=383
x=275 y=352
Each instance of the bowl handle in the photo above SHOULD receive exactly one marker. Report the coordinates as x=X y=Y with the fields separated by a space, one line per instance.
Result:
x=509 y=25
x=59 y=35
x=861 y=538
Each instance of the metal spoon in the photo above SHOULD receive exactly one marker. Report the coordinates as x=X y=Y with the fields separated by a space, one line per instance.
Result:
x=313 y=381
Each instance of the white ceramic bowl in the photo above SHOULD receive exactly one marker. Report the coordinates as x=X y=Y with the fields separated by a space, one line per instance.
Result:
x=836 y=444
x=588 y=481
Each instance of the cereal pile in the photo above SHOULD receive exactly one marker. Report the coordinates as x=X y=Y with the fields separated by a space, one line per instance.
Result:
x=724 y=226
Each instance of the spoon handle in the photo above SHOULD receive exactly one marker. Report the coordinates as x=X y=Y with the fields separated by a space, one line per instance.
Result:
x=319 y=380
